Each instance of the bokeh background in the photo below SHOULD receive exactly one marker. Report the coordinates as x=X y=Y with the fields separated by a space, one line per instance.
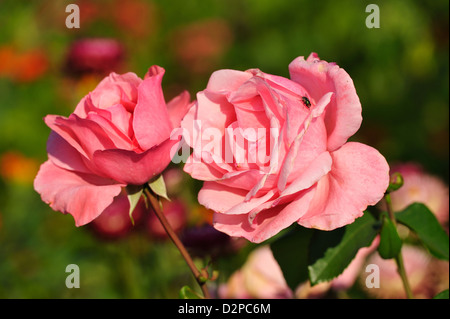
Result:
x=400 y=70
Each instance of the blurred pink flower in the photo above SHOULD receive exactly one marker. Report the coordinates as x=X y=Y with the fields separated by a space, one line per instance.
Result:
x=416 y=261
x=420 y=186
x=176 y=214
x=96 y=55
x=260 y=277
x=115 y=221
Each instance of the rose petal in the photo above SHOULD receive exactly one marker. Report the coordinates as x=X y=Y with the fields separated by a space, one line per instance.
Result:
x=218 y=197
x=151 y=122
x=84 y=196
x=178 y=107
x=267 y=223
x=132 y=168
x=358 y=178
x=227 y=80
x=343 y=116
x=65 y=156
x=84 y=135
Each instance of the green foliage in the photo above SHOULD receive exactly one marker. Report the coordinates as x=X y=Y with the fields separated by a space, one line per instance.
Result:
x=332 y=252
x=442 y=295
x=291 y=252
x=186 y=292
x=322 y=255
x=422 y=221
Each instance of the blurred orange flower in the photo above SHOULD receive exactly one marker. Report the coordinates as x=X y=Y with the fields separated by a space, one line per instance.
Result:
x=22 y=67
x=15 y=167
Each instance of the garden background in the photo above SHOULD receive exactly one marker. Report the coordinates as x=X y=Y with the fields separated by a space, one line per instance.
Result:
x=400 y=71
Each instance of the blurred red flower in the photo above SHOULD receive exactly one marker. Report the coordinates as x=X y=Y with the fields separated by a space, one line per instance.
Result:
x=199 y=46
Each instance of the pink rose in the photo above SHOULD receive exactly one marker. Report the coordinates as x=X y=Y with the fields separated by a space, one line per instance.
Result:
x=274 y=151
x=118 y=135
x=260 y=277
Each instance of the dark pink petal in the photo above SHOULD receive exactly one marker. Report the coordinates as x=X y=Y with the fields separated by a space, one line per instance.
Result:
x=84 y=135
x=62 y=154
x=358 y=178
x=343 y=116
x=178 y=107
x=84 y=196
x=151 y=122
x=133 y=168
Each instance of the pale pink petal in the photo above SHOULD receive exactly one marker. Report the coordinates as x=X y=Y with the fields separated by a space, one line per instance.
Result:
x=151 y=122
x=306 y=147
x=267 y=223
x=200 y=170
x=132 y=168
x=358 y=178
x=247 y=206
x=84 y=196
x=227 y=80
x=343 y=116
x=218 y=197
x=311 y=175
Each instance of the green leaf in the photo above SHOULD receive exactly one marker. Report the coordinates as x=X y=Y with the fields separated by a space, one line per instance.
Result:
x=291 y=253
x=423 y=222
x=390 y=242
x=187 y=293
x=442 y=295
x=332 y=251
x=134 y=194
x=159 y=187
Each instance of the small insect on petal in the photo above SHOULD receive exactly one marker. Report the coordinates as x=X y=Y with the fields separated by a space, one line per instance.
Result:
x=306 y=101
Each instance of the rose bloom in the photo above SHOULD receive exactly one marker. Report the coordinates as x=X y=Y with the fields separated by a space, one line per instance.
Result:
x=260 y=277
x=273 y=151
x=420 y=186
x=118 y=135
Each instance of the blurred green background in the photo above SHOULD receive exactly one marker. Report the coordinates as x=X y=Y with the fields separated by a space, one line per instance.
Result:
x=400 y=71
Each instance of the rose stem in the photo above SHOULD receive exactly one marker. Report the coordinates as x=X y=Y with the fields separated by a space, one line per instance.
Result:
x=399 y=258
x=176 y=240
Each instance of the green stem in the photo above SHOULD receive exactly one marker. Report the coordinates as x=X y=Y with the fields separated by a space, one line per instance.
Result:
x=399 y=258
x=199 y=276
